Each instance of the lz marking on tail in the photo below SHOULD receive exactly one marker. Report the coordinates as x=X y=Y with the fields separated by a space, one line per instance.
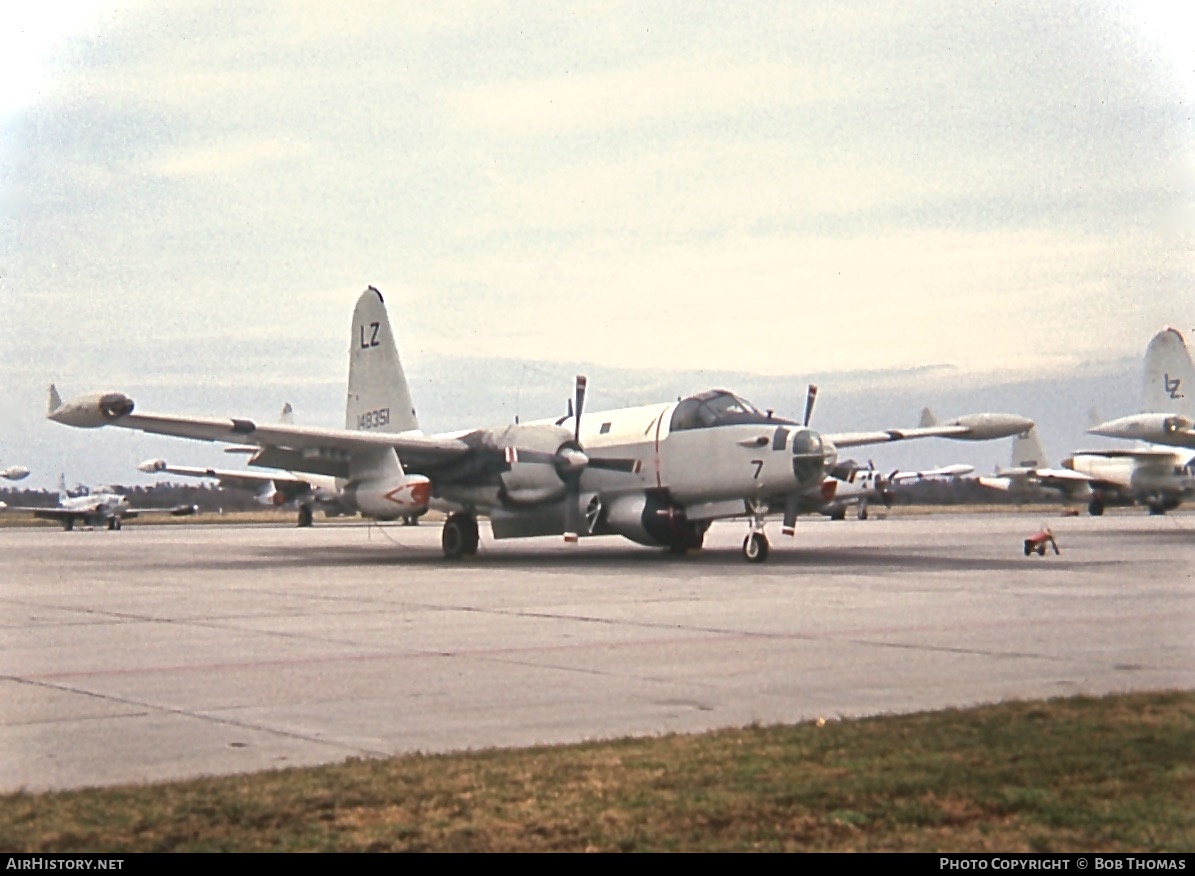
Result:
x=656 y=474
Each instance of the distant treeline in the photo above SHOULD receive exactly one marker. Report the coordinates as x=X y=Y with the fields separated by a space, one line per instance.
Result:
x=162 y=495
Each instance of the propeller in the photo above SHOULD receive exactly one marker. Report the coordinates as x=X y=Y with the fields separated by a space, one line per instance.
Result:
x=810 y=398
x=577 y=463
x=885 y=486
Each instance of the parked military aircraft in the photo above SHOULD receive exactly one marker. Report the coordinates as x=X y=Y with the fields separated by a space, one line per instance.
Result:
x=14 y=472
x=1159 y=477
x=103 y=507
x=861 y=487
x=1168 y=413
x=1030 y=473
x=656 y=474
x=275 y=489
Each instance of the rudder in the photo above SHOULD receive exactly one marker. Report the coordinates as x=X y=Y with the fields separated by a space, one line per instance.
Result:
x=378 y=395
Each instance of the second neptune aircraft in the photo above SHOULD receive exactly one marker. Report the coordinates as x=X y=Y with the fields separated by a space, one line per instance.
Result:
x=657 y=474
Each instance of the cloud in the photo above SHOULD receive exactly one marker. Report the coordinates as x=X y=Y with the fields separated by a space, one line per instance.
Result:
x=229 y=157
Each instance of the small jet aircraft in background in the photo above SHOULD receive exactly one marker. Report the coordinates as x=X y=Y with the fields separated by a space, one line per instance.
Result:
x=1168 y=413
x=101 y=508
x=14 y=472
x=657 y=474
x=276 y=489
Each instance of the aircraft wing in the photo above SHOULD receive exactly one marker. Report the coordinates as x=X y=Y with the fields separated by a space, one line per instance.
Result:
x=1142 y=454
x=239 y=480
x=176 y=511
x=44 y=513
x=296 y=448
x=974 y=427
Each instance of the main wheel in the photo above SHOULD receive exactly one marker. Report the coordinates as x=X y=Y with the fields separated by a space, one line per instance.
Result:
x=755 y=547
x=459 y=537
x=113 y=523
x=1095 y=507
x=1156 y=507
x=306 y=516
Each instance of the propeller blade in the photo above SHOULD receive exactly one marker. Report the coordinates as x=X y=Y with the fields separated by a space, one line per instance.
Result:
x=572 y=507
x=582 y=382
x=810 y=398
x=630 y=466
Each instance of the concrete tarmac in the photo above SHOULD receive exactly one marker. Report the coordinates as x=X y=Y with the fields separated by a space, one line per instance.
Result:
x=164 y=652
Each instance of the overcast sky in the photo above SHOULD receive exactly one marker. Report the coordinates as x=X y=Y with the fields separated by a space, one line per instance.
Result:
x=198 y=191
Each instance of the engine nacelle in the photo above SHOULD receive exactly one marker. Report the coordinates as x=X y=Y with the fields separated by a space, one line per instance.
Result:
x=93 y=411
x=14 y=473
x=390 y=498
x=534 y=454
x=152 y=466
x=651 y=518
x=988 y=427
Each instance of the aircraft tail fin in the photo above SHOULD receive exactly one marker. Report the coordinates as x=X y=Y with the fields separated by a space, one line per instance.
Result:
x=287 y=417
x=378 y=395
x=928 y=419
x=1169 y=375
x=55 y=401
x=63 y=495
x=1027 y=450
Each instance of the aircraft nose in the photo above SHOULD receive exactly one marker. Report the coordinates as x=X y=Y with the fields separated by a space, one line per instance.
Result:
x=809 y=457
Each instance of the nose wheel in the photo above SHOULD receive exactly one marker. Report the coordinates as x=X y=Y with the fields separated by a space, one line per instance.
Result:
x=755 y=545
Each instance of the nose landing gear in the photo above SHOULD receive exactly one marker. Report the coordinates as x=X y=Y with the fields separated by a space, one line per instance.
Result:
x=755 y=545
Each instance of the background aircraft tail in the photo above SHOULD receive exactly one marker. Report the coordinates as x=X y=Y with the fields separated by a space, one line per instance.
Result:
x=378 y=396
x=1027 y=450
x=1169 y=375
x=63 y=495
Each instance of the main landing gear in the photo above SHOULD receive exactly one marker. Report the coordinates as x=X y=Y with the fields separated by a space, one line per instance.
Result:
x=113 y=523
x=459 y=537
x=306 y=517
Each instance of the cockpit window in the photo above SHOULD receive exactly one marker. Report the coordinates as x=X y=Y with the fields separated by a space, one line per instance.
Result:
x=718 y=408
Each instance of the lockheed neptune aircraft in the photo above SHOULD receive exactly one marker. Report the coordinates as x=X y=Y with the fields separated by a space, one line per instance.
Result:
x=1168 y=413
x=103 y=507
x=657 y=474
x=1157 y=476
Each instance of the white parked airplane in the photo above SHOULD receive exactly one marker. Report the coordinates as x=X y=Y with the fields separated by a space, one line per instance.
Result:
x=1160 y=477
x=103 y=507
x=656 y=474
x=861 y=487
x=305 y=492
x=1168 y=412
x=1030 y=473
x=14 y=472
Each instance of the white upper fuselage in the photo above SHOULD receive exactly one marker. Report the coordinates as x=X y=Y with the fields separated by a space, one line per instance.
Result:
x=696 y=465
